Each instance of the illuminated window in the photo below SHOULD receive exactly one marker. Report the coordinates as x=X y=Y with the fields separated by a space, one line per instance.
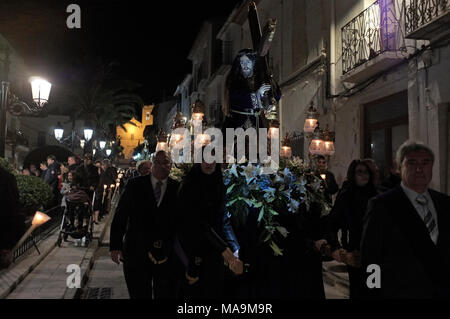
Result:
x=148 y=116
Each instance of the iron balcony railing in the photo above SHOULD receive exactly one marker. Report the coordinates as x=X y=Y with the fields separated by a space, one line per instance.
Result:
x=377 y=29
x=421 y=12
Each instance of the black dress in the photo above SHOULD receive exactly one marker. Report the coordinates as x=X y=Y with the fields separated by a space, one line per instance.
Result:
x=348 y=214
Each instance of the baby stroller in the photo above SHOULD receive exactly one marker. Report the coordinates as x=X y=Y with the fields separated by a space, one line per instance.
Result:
x=77 y=219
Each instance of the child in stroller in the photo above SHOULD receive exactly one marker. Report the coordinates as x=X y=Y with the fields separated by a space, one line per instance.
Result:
x=77 y=218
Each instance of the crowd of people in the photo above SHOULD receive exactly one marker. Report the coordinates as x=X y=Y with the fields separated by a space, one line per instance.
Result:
x=179 y=241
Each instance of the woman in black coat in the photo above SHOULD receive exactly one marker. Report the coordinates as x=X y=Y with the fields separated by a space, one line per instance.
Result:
x=205 y=232
x=347 y=215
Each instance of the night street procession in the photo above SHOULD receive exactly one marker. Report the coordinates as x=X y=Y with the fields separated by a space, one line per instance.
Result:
x=225 y=158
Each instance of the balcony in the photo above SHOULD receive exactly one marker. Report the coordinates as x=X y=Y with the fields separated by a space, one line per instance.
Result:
x=426 y=19
x=372 y=40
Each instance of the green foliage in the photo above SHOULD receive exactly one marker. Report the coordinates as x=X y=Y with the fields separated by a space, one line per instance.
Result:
x=104 y=97
x=248 y=187
x=34 y=193
x=283 y=192
x=7 y=166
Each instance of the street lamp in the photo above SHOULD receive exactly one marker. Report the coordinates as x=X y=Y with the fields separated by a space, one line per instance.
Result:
x=59 y=131
x=40 y=89
x=102 y=144
x=82 y=143
x=108 y=152
x=88 y=131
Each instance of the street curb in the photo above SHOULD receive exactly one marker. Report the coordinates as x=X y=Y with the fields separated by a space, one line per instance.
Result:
x=29 y=269
x=88 y=261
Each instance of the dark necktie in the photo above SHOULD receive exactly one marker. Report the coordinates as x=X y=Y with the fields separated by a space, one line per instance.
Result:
x=157 y=191
x=428 y=220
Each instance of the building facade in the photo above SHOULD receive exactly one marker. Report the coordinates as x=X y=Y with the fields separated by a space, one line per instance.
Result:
x=377 y=71
x=133 y=135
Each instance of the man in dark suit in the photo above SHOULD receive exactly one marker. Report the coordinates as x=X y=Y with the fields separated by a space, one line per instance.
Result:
x=51 y=178
x=407 y=233
x=329 y=183
x=146 y=217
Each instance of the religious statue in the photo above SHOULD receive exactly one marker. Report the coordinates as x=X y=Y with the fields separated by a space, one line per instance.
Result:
x=249 y=92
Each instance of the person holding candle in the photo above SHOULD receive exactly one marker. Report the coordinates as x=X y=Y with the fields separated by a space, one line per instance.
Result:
x=347 y=215
x=330 y=185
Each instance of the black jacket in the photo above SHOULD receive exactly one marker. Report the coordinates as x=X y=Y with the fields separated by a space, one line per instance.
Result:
x=88 y=176
x=12 y=224
x=205 y=227
x=396 y=238
x=139 y=226
x=347 y=215
x=51 y=176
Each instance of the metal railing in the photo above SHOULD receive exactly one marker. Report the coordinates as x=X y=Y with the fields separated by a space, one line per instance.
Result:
x=377 y=29
x=420 y=12
x=42 y=232
x=297 y=144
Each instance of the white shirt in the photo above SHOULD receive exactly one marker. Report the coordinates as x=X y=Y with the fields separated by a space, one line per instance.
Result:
x=163 y=187
x=412 y=195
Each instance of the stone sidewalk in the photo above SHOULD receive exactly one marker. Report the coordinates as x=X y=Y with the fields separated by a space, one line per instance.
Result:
x=44 y=276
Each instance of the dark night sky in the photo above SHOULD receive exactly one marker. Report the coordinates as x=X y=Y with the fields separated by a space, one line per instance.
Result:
x=150 y=39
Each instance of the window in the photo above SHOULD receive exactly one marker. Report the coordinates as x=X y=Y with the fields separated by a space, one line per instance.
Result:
x=385 y=129
x=147 y=117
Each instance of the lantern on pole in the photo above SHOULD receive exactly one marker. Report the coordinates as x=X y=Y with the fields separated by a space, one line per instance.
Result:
x=312 y=118
x=317 y=146
x=162 y=142
x=286 y=149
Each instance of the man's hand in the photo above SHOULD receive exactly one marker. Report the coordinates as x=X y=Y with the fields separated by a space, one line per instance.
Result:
x=191 y=280
x=237 y=267
x=319 y=243
x=338 y=254
x=154 y=261
x=352 y=259
x=229 y=257
x=6 y=258
x=263 y=89
x=116 y=256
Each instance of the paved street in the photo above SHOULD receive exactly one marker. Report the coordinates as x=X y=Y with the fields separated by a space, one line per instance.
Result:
x=102 y=278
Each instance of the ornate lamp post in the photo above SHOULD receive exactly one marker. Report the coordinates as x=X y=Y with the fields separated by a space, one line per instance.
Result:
x=40 y=91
